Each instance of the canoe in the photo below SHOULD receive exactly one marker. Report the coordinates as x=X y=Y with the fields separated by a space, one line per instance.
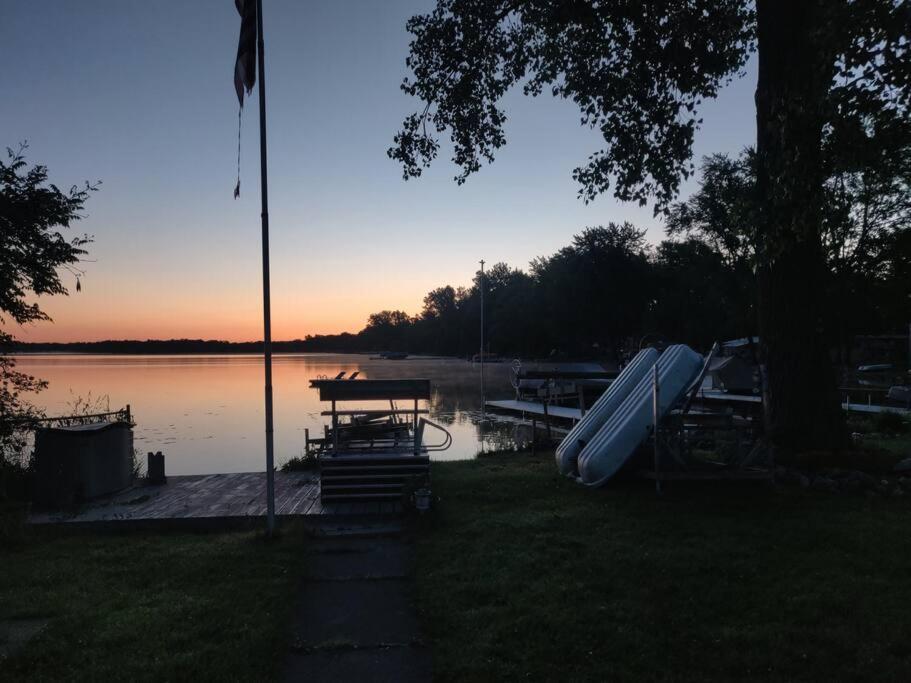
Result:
x=569 y=449
x=631 y=422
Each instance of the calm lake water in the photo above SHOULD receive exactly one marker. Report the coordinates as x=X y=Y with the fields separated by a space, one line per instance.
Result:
x=205 y=413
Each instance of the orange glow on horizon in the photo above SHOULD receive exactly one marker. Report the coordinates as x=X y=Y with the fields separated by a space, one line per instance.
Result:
x=99 y=316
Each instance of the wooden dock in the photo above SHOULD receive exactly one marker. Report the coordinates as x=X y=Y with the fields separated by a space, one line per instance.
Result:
x=851 y=407
x=532 y=408
x=214 y=500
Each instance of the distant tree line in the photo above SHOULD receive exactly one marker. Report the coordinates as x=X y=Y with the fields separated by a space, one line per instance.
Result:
x=159 y=346
x=608 y=289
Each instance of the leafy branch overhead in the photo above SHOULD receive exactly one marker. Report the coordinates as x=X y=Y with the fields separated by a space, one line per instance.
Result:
x=32 y=248
x=636 y=70
x=32 y=253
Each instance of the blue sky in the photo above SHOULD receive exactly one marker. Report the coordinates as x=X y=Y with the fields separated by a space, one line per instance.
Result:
x=139 y=95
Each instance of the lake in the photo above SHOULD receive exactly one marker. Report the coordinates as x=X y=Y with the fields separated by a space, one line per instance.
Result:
x=205 y=412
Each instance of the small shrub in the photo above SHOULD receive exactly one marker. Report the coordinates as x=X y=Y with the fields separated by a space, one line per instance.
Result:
x=302 y=463
x=412 y=484
x=13 y=521
x=890 y=422
x=866 y=459
x=16 y=480
x=138 y=465
x=492 y=452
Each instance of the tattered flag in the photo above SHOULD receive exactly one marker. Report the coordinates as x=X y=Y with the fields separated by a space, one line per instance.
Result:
x=244 y=65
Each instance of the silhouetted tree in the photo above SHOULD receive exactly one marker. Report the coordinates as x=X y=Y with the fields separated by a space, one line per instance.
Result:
x=514 y=318
x=388 y=330
x=638 y=72
x=440 y=320
x=700 y=296
x=722 y=212
x=596 y=290
x=868 y=201
x=32 y=252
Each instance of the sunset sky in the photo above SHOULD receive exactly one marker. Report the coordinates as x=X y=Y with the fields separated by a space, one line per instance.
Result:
x=139 y=95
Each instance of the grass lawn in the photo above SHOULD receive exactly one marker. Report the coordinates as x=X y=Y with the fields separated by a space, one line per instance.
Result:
x=150 y=606
x=524 y=574
x=898 y=444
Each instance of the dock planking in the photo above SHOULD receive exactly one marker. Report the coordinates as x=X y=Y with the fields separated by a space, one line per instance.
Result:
x=532 y=408
x=213 y=497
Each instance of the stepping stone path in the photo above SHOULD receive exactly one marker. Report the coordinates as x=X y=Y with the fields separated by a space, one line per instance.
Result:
x=354 y=619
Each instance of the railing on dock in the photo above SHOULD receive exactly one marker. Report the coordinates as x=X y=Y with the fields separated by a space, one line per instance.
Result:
x=122 y=415
x=375 y=454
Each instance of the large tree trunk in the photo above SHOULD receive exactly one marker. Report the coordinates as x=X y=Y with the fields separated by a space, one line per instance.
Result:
x=795 y=71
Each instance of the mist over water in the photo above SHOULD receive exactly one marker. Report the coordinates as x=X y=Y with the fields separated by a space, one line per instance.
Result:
x=205 y=412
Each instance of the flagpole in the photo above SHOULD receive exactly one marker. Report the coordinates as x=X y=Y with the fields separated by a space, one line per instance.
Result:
x=481 y=283
x=267 y=293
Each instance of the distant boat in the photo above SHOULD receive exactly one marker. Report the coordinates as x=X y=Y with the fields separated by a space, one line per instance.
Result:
x=394 y=355
x=880 y=367
x=488 y=358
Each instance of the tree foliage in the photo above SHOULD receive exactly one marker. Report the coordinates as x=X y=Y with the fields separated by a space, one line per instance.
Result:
x=637 y=71
x=866 y=221
x=33 y=251
x=598 y=287
x=831 y=73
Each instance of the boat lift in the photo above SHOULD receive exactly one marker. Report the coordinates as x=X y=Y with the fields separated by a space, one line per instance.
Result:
x=373 y=454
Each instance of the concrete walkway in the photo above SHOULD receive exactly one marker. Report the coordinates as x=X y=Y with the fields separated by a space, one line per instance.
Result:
x=355 y=620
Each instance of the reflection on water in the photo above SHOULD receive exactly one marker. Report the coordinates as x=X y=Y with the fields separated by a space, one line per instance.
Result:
x=206 y=412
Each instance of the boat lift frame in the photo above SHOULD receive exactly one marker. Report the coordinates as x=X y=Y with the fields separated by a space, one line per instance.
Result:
x=673 y=436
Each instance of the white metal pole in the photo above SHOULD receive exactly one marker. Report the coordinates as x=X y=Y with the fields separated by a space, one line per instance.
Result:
x=481 y=358
x=656 y=412
x=267 y=294
x=481 y=284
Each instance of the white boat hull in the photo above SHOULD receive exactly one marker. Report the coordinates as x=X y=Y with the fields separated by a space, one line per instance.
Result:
x=632 y=422
x=569 y=449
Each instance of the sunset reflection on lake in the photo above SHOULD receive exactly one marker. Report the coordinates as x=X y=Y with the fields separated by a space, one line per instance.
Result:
x=205 y=412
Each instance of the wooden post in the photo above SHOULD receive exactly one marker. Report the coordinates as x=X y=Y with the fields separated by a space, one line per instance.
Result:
x=334 y=429
x=546 y=414
x=417 y=446
x=655 y=418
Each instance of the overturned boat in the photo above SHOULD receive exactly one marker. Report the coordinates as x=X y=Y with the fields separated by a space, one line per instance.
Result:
x=568 y=451
x=619 y=432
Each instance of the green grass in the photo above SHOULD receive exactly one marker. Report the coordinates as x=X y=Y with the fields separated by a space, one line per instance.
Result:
x=885 y=437
x=524 y=574
x=145 y=606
